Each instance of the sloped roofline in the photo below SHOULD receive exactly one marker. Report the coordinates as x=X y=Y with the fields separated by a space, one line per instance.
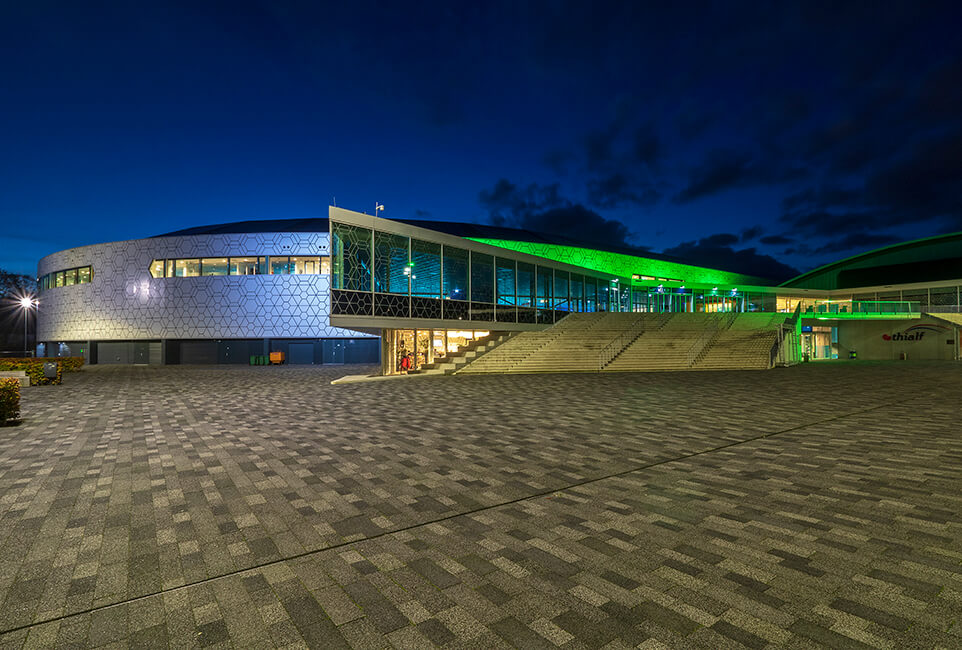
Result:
x=872 y=253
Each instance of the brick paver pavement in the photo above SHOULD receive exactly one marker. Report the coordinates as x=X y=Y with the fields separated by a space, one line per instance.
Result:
x=817 y=506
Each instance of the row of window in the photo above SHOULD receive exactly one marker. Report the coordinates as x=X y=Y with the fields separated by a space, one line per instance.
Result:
x=251 y=265
x=69 y=277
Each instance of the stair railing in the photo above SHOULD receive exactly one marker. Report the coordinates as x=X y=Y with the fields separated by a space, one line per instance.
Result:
x=626 y=338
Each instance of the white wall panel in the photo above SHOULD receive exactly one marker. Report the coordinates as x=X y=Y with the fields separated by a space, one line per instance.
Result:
x=123 y=302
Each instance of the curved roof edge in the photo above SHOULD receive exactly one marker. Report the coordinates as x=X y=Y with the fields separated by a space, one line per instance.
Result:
x=872 y=253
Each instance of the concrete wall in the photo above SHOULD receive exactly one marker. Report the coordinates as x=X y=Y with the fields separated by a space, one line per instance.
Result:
x=924 y=338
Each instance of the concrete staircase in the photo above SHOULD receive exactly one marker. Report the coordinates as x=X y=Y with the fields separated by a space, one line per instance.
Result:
x=453 y=362
x=746 y=345
x=669 y=346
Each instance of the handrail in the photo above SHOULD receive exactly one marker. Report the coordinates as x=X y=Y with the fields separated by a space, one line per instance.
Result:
x=613 y=349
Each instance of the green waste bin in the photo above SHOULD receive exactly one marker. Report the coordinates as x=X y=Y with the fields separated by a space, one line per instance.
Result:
x=253 y=360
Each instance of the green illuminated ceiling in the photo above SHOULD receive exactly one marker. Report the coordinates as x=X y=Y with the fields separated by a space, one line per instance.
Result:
x=625 y=265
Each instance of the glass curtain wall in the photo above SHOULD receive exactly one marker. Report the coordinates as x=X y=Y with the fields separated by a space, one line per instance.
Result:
x=505 y=286
x=482 y=286
x=526 y=292
x=385 y=274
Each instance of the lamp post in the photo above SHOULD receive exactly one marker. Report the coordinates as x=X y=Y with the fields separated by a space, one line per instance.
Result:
x=26 y=304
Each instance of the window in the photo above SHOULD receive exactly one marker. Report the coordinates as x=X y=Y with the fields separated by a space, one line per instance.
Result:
x=70 y=277
x=305 y=265
x=170 y=269
x=455 y=273
x=84 y=275
x=482 y=277
x=58 y=279
x=425 y=269
x=526 y=288
x=157 y=269
x=325 y=266
x=187 y=268
x=351 y=257
x=247 y=265
x=280 y=265
x=392 y=266
x=214 y=266
x=561 y=290
x=505 y=271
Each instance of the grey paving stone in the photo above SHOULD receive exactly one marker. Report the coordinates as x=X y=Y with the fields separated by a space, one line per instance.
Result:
x=419 y=514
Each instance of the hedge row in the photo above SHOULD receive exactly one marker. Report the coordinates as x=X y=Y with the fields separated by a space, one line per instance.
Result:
x=34 y=368
x=9 y=399
x=70 y=364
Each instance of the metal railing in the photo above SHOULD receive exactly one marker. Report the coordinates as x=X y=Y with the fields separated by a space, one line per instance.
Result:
x=625 y=339
x=880 y=307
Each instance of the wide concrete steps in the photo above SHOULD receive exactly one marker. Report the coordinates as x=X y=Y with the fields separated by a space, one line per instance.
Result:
x=739 y=350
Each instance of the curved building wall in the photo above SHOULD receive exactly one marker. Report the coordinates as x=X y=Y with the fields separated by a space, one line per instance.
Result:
x=123 y=302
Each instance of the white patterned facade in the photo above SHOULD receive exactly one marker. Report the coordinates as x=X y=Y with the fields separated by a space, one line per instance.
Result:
x=124 y=303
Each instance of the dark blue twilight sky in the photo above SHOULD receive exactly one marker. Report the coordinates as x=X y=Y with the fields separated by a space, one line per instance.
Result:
x=726 y=133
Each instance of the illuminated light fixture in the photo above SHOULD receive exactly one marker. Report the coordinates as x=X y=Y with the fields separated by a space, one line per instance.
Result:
x=378 y=207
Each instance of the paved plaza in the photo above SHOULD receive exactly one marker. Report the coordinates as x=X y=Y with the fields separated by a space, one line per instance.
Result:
x=259 y=507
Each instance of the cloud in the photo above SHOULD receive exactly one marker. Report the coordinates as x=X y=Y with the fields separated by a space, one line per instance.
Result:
x=616 y=189
x=776 y=240
x=715 y=251
x=857 y=242
x=751 y=233
x=541 y=208
x=724 y=169
x=422 y=214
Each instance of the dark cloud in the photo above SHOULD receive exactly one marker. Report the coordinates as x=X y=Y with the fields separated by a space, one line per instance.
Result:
x=616 y=189
x=857 y=242
x=542 y=209
x=422 y=214
x=507 y=201
x=751 y=233
x=715 y=251
x=723 y=169
x=776 y=240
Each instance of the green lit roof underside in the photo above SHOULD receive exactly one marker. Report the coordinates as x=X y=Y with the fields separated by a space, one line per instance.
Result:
x=625 y=265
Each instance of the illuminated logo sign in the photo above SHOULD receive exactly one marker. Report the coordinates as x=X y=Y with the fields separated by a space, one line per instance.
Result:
x=915 y=333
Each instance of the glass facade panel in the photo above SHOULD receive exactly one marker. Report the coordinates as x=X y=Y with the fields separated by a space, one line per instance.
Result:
x=58 y=279
x=591 y=294
x=544 y=287
x=310 y=265
x=482 y=277
x=350 y=257
x=507 y=292
x=392 y=265
x=170 y=269
x=425 y=269
x=576 y=291
x=246 y=265
x=214 y=266
x=455 y=273
x=526 y=285
x=70 y=277
x=187 y=268
x=561 y=290
x=602 y=295
x=84 y=275
x=280 y=265
x=943 y=297
x=157 y=269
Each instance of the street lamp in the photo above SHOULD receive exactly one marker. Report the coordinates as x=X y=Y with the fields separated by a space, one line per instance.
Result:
x=26 y=304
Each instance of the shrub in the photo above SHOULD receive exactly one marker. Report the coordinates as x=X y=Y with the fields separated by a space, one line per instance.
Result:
x=34 y=368
x=9 y=399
